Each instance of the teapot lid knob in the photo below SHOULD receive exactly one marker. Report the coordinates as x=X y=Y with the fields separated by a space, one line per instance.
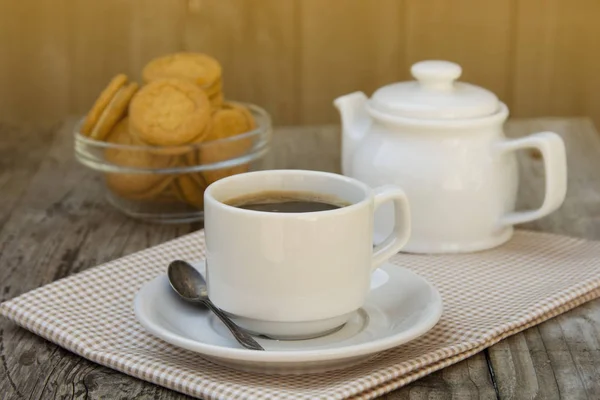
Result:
x=436 y=93
x=436 y=74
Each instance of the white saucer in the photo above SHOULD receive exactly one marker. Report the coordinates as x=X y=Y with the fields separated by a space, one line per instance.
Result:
x=400 y=307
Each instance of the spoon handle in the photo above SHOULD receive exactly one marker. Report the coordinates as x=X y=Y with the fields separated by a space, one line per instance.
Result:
x=241 y=336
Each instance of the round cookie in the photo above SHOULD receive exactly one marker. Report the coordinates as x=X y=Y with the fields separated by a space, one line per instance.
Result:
x=230 y=120
x=169 y=195
x=217 y=100
x=215 y=95
x=169 y=112
x=192 y=151
x=114 y=111
x=190 y=188
x=102 y=101
x=199 y=68
x=215 y=89
x=134 y=186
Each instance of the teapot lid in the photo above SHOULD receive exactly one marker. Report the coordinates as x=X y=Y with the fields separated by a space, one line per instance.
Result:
x=435 y=95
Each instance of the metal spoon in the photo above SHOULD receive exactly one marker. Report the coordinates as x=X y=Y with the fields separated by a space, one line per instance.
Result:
x=191 y=286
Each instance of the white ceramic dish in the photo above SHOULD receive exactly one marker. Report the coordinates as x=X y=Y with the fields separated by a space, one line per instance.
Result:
x=400 y=307
x=442 y=141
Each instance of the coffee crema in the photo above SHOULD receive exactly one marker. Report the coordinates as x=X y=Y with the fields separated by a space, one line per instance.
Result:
x=287 y=202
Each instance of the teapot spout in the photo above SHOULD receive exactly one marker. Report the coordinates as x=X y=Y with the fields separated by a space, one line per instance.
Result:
x=355 y=124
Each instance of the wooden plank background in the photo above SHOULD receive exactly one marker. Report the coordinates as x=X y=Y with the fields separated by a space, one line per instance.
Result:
x=293 y=57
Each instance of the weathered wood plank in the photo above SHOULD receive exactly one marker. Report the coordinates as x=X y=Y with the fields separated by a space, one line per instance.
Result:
x=561 y=357
x=557 y=359
x=469 y=379
x=580 y=214
x=313 y=148
x=59 y=226
x=21 y=152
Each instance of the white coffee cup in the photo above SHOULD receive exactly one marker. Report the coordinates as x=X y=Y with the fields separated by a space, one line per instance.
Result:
x=296 y=275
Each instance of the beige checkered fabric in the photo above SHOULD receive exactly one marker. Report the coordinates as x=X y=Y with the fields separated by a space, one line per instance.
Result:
x=487 y=296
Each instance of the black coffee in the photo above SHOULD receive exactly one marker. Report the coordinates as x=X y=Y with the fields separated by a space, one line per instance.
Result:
x=287 y=202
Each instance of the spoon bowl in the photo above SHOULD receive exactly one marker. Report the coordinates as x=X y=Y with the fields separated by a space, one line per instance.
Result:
x=190 y=285
x=187 y=281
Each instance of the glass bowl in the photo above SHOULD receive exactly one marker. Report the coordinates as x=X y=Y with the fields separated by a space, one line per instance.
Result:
x=166 y=184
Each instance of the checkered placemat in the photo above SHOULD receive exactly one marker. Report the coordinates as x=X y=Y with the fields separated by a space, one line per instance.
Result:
x=487 y=296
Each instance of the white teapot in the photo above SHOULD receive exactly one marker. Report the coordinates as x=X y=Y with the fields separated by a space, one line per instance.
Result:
x=442 y=141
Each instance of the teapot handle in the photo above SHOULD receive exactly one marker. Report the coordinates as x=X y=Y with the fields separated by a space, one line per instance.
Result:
x=552 y=148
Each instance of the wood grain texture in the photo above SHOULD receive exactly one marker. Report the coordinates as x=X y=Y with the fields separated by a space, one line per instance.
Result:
x=157 y=28
x=22 y=149
x=34 y=59
x=354 y=46
x=469 y=380
x=113 y=36
x=475 y=34
x=255 y=42
x=294 y=57
x=60 y=225
x=313 y=148
x=55 y=223
x=557 y=58
x=98 y=49
x=557 y=359
x=580 y=213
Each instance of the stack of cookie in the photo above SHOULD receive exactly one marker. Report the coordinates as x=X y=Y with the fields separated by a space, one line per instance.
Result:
x=198 y=68
x=110 y=107
x=176 y=119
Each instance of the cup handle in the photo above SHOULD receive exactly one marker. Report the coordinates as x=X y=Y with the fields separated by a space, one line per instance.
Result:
x=552 y=148
x=401 y=233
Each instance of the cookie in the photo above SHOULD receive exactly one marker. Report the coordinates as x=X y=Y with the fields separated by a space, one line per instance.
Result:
x=168 y=195
x=230 y=120
x=134 y=185
x=199 y=68
x=113 y=179
x=190 y=188
x=114 y=111
x=102 y=101
x=169 y=112
x=217 y=101
x=214 y=90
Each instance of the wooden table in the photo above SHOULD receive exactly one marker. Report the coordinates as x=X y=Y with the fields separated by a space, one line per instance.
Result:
x=55 y=222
